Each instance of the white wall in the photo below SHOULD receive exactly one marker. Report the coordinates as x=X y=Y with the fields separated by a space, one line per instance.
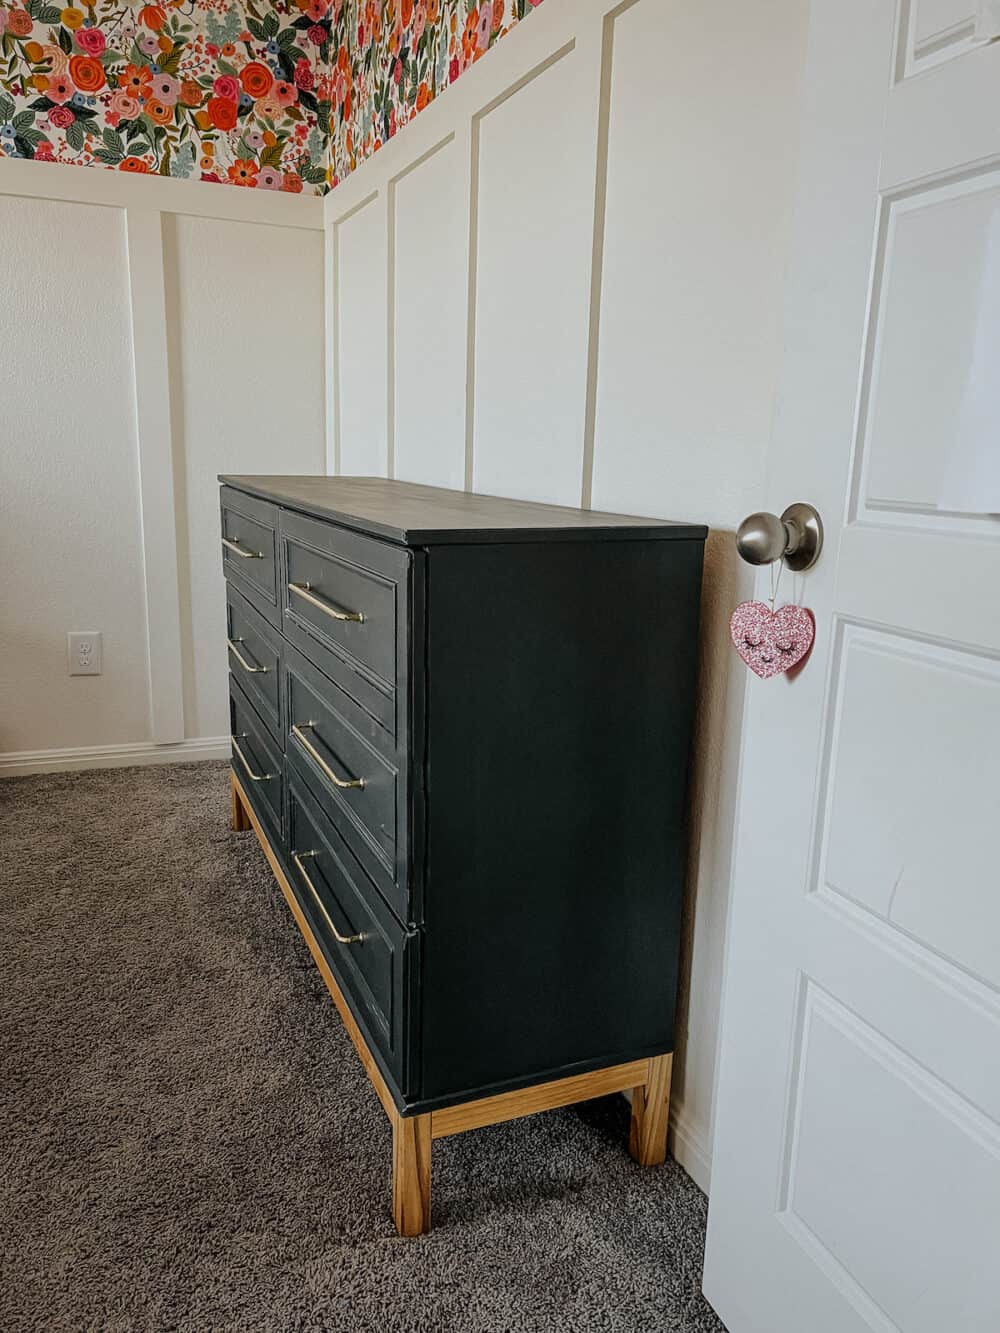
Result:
x=574 y=270
x=154 y=333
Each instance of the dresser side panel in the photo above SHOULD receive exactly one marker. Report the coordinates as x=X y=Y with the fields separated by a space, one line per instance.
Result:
x=560 y=691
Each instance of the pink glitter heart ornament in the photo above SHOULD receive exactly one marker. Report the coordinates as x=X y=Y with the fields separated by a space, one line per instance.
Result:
x=771 y=641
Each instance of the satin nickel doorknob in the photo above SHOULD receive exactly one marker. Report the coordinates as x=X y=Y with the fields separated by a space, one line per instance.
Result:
x=796 y=537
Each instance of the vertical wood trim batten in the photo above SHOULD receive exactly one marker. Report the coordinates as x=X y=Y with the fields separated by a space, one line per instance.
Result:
x=334 y=319
x=470 y=367
x=390 y=328
x=330 y=346
x=154 y=436
x=607 y=55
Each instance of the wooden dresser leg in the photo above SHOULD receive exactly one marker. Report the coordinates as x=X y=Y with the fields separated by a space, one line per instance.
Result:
x=647 y=1140
x=240 y=821
x=411 y=1174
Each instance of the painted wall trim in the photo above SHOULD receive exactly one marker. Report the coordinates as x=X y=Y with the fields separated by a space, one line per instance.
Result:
x=22 y=763
x=112 y=189
x=157 y=510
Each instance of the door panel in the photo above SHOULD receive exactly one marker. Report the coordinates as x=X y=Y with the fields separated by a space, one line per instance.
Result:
x=856 y=1171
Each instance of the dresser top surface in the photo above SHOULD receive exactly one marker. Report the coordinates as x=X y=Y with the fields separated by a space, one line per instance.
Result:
x=412 y=515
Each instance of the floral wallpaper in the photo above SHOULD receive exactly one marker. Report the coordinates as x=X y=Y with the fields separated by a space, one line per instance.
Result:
x=289 y=96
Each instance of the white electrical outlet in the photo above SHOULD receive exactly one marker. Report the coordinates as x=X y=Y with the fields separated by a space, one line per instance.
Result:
x=84 y=652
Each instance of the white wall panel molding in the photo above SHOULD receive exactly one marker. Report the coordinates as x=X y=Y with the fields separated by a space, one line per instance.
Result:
x=116 y=189
x=156 y=473
x=136 y=384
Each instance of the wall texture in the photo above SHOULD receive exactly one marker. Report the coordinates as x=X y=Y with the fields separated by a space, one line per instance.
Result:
x=279 y=96
x=565 y=282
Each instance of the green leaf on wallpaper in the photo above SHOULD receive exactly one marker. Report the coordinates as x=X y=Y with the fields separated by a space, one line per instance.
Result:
x=32 y=7
x=271 y=157
x=109 y=159
x=7 y=107
x=270 y=24
x=140 y=146
x=114 y=142
x=226 y=31
x=65 y=40
x=49 y=14
x=22 y=120
x=183 y=163
x=170 y=64
x=75 y=136
x=312 y=175
x=314 y=144
x=226 y=68
x=286 y=37
x=256 y=29
x=85 y=113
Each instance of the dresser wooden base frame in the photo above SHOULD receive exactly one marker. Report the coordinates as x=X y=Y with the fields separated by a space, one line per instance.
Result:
x=412 y=1136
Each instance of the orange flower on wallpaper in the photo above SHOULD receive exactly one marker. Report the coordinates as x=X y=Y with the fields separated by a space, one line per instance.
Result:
x=257 y=79
x=158 y=112
x=243 y=172
x=135 y=79
x=152 y=16
x=87 y=73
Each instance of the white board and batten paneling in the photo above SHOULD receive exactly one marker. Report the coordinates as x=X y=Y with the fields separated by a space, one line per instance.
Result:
x=151 y=341
x=563 y=282
x=858 y=1188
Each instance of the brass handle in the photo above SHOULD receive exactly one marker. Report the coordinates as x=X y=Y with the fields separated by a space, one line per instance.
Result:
x=237 y=549
x=341 y=939
x=313 y=753
x=254 y=777
x=247 y=666
x=304 y=590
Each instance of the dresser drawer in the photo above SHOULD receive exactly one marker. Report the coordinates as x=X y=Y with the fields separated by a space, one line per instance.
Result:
x=333 y=745
x=343 y=598
x=250 y=549
x=372 y=955
x=257 y=761
x=255 y=655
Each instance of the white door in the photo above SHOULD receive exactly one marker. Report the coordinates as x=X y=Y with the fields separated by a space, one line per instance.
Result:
x=856 y=1169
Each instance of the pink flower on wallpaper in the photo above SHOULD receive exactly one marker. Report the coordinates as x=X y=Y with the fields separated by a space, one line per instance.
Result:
x=228 y=87
x=91 y=40
x=269 y=178
x=59 y=89
x=125 y=106
x=166 y=89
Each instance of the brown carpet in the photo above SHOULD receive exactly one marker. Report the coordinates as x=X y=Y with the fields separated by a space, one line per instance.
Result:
x=187 y=1140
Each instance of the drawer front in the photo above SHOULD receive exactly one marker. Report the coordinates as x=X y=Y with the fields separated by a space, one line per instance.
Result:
x=255 y=659
x=344 y=600
x=333 y=745
x=257 y=761
x=371 y=954
x=250 y=549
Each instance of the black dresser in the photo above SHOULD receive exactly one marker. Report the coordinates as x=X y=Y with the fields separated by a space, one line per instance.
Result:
x=461 y=729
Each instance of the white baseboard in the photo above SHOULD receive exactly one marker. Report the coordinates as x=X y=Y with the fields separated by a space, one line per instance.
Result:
x=690 y=1148
x=21 y=763
x=687 y=1145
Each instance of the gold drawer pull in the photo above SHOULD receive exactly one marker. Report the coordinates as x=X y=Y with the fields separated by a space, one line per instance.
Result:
x=313 y=753
x=237 y=549
x=304 y=590
x=254 y=777
x=248 y=667
x=297 y=857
